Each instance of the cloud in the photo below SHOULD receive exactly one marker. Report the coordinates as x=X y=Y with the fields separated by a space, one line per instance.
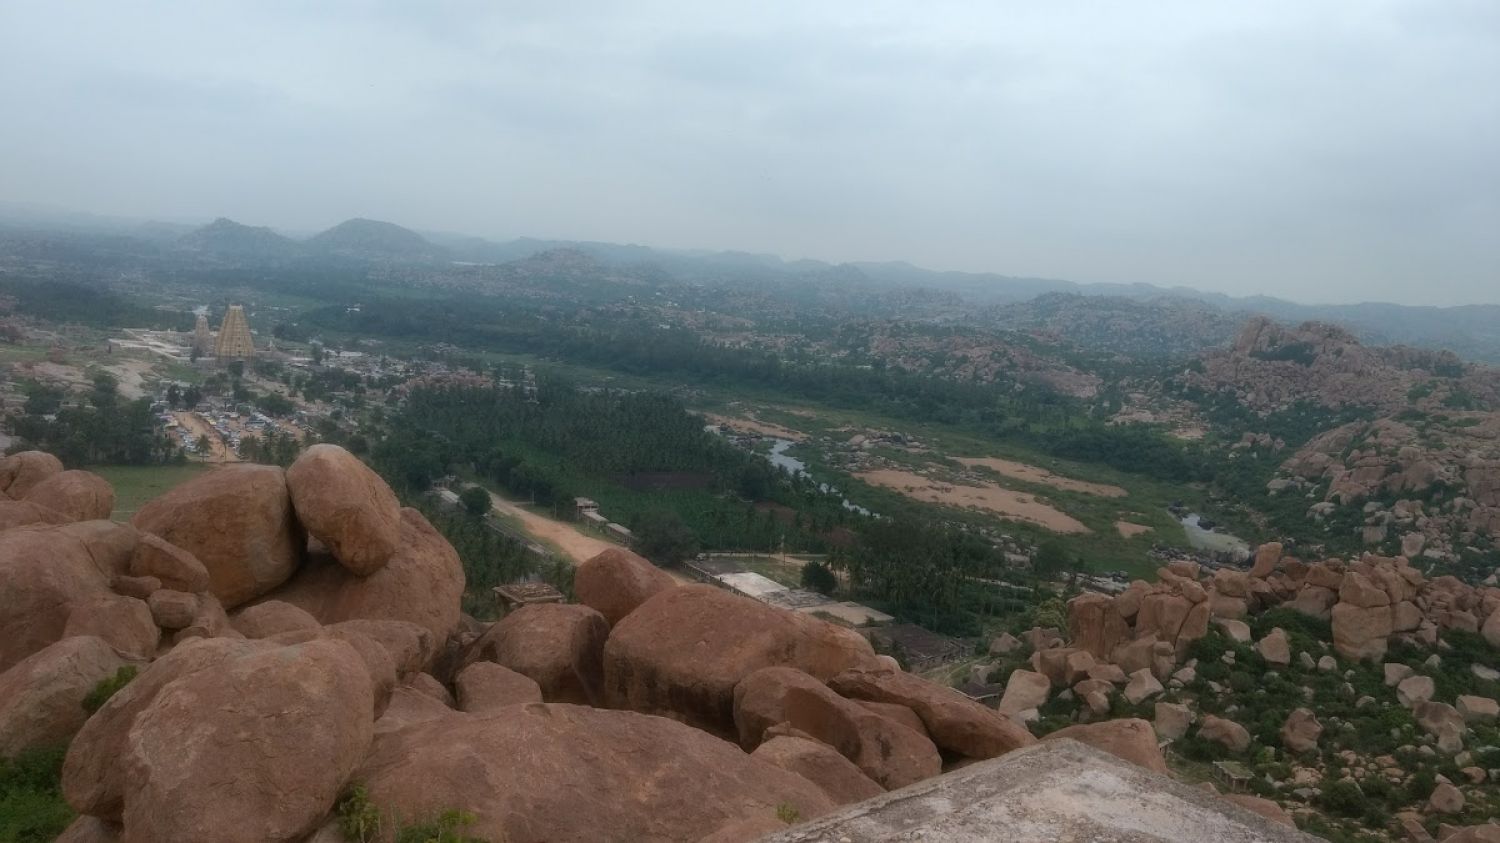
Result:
x=1320 y=151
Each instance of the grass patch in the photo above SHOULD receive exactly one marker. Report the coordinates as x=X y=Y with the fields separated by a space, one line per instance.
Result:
x=136 y=484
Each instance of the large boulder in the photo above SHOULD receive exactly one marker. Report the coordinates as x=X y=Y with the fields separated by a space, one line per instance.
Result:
x=78 y=495
x=1132 y=739
x=346 y=506
x=253 y=748
x=1024 y=690
x=486 y=686
x=238 y=522
x=410 y=646
x=955 y=722
x=1361 y=632
x=174 y=567
x=1227 y=733
x=272 y=617
x=1356 y=589
x=125 y=623
x=1301 y=731
x=409 y=705
x=1095 y=624
x=21 y=471
x=520 y=773
x=44 y=572
x=821 y=764
x=1275 y=648
x=681 y=653
x=1172 y=720
x=561 y=647
x=616 y=581
x=41 y=699
x=422 y=583
x=23 y=513
x=1260 y=805
x=93 y=776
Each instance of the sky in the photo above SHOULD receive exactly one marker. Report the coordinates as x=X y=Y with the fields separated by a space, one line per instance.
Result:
x=1316 y=150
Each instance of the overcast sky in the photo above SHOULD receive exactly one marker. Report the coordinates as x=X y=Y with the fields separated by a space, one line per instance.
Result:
x=1319 y=150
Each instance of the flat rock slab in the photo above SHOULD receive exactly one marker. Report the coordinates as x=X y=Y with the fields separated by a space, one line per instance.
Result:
x=1055 y=790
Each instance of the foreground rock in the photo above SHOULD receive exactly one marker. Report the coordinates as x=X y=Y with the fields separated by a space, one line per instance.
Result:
x=422 y=583
x=238 y=522
x=346 y=506
x=616 y=581
x=485 y=686
x=835 y=775
x=955 y=722
x=519 y=773
x=43 y=571
x=290 y=723
x=681 y=653
x=560 y=647
x=21 y=471
x=78 y=495
x=41 y=699
x=1132 y=739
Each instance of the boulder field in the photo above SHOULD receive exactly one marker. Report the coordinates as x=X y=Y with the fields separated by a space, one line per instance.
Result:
x=289 y=643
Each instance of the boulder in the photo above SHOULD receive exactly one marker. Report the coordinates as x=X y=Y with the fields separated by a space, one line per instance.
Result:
x=899 y=713
x=1405 y=617
x=407 y=706
x=516 y=772
x=238 y=522
x=616 y=581
x=1260 y=805
x=78 y=495
x=291 y=723
x=1415 y=689
x=1266 y=557
x=44 y=572
x=123 y=622
x=1095 y=624
x=1004 y=644
x=1483 y=833
x=1477 y=709
x=409 y=645
x=346 y=506
x=1228 y=733
x=956 y=723
x=1491 y=629
x=93 y=777
x=23 y=513
x=1275 y=648
x=486 y=686
x=559 y=646
x=422 y=583
x=835 y=775
x=174 y=567
x=1395 y=672
x=1143 y=685
x=1445 y=799
x=1301 y=731
x=41 y=698
x=1443 y=722
x=428 y=684
x=263 y=620
x=1172 y=720
x=1314 y=601
x=173 y=609
x=681 y=653
x=1361 y=633
x=1025 y=689
x=1063 y=666
x=760 y=702
x=1131 y=739
x=1237 y=630
x=1357 y=590
x=1106 y=672
x=1162 y=614
x=138 y=587
x=21 y=471
x=89 y=830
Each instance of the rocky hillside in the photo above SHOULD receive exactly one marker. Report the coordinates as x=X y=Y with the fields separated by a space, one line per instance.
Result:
x=374 y=240
x=1360 y=694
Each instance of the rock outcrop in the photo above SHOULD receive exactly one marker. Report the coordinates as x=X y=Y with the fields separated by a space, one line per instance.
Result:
x=346 y=506
x=616 y=581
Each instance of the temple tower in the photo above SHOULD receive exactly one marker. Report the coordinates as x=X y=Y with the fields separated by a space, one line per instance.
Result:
x=203 y=339
x=234 y=342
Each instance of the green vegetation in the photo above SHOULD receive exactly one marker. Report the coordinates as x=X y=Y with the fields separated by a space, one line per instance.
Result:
x=32 y=809
x=104 y=430
x=108 y=688
x=475 y=501
x=136 y=484
x=360 y=820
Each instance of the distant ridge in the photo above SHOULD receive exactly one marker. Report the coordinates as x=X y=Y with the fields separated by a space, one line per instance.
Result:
x=375 y=240
x=226 y=237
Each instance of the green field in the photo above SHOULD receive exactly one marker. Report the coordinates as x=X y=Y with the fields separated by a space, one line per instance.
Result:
x=136 y=484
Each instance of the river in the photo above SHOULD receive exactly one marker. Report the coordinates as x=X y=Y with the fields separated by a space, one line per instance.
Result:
x=1211 y=540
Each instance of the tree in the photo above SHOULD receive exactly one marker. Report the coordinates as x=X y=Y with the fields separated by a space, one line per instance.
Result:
x=664 y=538
x=816 y=576
x=476 y=501
x=1051 y=559
x=237 y=369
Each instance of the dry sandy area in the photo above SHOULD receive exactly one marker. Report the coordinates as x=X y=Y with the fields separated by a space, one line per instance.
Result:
x=1017 y=506
x=1032 y=474
x=744 y=425
x=1130 y=530
x=131 y=374
x=565 y=537
x=199 y=426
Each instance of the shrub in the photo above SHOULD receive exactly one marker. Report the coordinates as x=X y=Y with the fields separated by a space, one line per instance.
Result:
x=1344 y=798
x=817 y=577
x=787 y=813
x=359 y=819
x=32 y=809
x=107 y=688
x=447 y=828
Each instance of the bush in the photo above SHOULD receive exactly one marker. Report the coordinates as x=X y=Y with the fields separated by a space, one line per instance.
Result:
x=447 y=828
x=1344 y=798
x=475 y=500
x=817 y=577
x=359 y=819
x=107 y=688
x=32 y=809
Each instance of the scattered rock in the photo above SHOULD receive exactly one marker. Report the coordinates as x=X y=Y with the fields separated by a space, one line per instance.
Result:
x=1413 y=690
x=1478 y=709
x=1143 y=686
x=1301 y=731
x=1172 y=720
x=1275 y=648
x=1395 y=672
x=1025 y=689
x=1228 y=733
x=1446 y=799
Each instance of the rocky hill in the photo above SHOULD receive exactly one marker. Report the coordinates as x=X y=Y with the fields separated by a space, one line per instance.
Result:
x=229 y=239
x=374 y=240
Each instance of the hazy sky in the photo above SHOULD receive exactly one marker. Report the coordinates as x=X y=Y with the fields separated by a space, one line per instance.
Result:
x=1320 y=150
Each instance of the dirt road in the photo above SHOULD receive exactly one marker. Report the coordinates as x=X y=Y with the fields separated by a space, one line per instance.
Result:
x=218 y=450
x=574 y=544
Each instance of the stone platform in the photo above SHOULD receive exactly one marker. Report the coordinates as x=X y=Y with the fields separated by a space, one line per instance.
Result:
x=1054 y=791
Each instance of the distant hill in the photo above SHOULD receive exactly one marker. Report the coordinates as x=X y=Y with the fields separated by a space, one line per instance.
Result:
x=375 y=240
x=227 y=238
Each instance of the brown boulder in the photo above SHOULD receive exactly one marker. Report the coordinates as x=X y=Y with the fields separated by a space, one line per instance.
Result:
x=44 y=572
x=422 y=583
x=407 y=706
x=41 y=698
x=173 y=609
x=89 y=830
x=289 y=725
x=24 y=513
x=1260 y=805
x=1301 y=730
x=835 y=775
x=1361 y=632
x=346 y=506
x=1357 y=590
x=616 y=581
x=681 y=653
x=78 y=495
x=1275 y=648
x=760 y=701
x=93 y=777
x=123 y=622
x=1231 y=735
x=955 y=722
x=174 y=567
x=409 y=645
x=1162 y=614
x=559 y=646
x=272 y=617
x=1132 y=739
x=486 y=686
x=1314 y=601
x=1025 y=689
x=518 y=772
x=1266 y=557
x=238 y=522
x=1095 y=624
x=21 y=471
x=899 y=713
